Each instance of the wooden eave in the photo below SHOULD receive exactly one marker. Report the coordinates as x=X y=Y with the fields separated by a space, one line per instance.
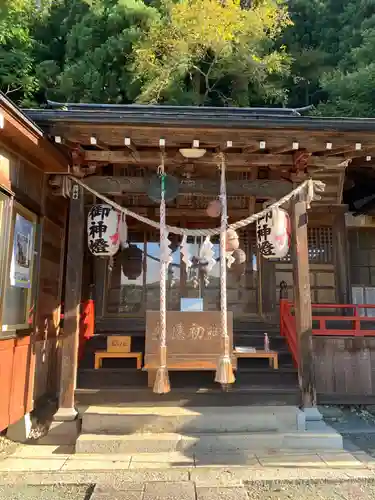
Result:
x=23 y=136
x=281 y=143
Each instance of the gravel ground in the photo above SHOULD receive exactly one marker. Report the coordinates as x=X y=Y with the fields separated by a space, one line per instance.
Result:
x=6 y=446
x=353 y=490
x=57 y=492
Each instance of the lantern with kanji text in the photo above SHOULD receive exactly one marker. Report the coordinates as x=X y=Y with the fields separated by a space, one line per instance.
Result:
x=103 y=224
x=273 y=234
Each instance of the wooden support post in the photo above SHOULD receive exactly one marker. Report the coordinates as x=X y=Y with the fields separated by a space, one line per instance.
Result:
x=340 y=245
x=73 y=285
x=268 y=289
x=302 y=301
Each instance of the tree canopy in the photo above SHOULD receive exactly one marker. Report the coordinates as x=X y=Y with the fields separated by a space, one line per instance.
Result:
x=191 y=52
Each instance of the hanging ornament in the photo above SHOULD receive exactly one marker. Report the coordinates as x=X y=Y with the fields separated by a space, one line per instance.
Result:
x=186 y=257
x=232 y=241
x=131 y=262
x=123 y=232
x=230 y=259
x=207 y=254
x=273 y=234
x=165 y=250
x=214 y=209
x=103 y=224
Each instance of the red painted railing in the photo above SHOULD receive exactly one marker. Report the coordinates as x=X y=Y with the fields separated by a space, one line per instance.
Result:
x=355 y=318
x=288 y=328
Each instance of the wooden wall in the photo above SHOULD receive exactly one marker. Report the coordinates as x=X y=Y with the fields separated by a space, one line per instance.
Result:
x=344 y=369
x=29 y=358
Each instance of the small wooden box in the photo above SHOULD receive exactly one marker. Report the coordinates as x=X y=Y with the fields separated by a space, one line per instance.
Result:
x=118 y=343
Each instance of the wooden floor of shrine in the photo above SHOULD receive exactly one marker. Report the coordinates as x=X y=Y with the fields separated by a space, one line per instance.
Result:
x=119 y=381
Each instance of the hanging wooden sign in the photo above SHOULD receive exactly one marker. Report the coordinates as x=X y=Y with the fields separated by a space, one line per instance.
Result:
x=273 y=234
x=103 y=224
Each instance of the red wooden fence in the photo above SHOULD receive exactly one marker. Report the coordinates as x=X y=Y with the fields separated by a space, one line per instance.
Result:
x=356 y=319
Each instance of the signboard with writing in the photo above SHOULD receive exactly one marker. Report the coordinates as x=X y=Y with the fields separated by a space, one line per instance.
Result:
x=118 y=343
x=194 y=339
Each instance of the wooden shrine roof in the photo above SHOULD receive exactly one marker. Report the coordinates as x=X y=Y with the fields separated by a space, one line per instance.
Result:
x=275 y=146
x=20 y=133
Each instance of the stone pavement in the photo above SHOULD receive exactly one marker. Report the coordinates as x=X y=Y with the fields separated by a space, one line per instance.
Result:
x=50 y=472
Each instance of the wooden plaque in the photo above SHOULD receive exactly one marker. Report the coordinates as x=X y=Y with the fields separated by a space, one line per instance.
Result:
x=194 y=340
x=118 y=343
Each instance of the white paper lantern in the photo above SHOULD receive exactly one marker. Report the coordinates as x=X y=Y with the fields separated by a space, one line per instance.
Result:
x=273 y=234
x=103 y=225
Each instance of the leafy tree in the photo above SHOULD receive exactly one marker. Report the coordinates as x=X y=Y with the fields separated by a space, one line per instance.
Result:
x=98 y=58
x=213 y=52
x=17 y=79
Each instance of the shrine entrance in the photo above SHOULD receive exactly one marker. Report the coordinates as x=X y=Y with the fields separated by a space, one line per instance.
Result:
x=127 y=295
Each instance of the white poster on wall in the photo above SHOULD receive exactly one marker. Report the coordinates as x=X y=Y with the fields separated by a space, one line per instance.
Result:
x=23 y=242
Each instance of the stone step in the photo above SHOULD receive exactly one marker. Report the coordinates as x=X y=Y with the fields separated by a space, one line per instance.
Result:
x=244 y=396
x=208 y=443
x=189 y=420
x=246 y=375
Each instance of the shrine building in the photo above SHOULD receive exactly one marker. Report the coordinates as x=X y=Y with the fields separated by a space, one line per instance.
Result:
x=222 y=256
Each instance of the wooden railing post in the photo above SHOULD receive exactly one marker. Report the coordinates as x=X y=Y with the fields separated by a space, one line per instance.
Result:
x=72 y=303
x=302 y=301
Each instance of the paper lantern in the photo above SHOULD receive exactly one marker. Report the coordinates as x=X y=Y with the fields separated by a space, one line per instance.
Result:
x=232 y=241
x=131 y=262
x=103 y=223
x=273 y=234
x=214 y=208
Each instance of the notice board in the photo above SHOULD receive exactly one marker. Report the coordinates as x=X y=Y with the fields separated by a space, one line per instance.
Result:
x=194 y=340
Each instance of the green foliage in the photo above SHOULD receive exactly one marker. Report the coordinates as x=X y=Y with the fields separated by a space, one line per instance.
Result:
x=212 y=52
x=191 y=52
x=17 y=78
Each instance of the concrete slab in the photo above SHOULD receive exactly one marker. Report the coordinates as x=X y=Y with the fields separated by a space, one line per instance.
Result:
x=61 y=433
x=134 y=443
x=20 y=430
x=222 y=494
x=117 y=495
x=365 y=458
x=126 y=420
x=234 y=459
x=340 y=459
x=172 y=457
x=43 y=451
x=31 y=464
x=295 y=460
x=102 y=464
x=169 y=491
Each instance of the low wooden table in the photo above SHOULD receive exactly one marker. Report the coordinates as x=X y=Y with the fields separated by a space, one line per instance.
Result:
x=100 y=355
x=271 y=355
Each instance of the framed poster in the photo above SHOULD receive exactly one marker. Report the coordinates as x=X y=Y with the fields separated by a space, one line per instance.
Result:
x=23 y=251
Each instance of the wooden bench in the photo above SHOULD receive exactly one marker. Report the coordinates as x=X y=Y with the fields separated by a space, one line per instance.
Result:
x=100 y=355
x=271 y=355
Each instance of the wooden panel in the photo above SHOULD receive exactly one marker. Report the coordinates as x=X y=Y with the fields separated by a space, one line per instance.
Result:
x=50 y=278
x=192 y=338
x=22 y=380
x=6 y=369
x=345 y=366
x=118 y=343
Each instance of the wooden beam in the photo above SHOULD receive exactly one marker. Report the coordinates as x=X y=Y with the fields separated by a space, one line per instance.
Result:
x=138 y=185
x=233 y=159
x=302 y=301
x=73 y=284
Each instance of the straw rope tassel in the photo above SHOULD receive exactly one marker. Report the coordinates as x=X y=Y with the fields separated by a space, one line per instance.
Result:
x=224 y=372
x=162 y=385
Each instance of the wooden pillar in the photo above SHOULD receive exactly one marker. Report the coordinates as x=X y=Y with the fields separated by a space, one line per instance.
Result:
x=302 y=301
x=341 y=256
x=73 y=285
x=268 y=289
